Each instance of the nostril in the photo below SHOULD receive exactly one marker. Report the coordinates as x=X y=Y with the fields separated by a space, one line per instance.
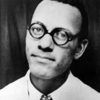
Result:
x=45 y=49
x=39 y=47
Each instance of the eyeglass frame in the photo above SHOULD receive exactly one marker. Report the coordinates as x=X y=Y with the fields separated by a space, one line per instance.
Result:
x=69 y=35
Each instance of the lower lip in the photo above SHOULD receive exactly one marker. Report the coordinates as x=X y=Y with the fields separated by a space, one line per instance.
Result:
x=43 y=60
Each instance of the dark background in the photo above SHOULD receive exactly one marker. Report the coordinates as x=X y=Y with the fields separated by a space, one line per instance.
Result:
x=14 y=15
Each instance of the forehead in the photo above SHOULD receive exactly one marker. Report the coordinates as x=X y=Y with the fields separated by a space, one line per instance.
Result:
x=55 y=14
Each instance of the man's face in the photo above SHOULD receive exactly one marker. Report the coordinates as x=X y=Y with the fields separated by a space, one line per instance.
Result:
x=46 y=59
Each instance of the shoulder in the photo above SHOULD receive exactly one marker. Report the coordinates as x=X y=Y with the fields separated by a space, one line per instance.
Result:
x=82 y=90
x=14 y=89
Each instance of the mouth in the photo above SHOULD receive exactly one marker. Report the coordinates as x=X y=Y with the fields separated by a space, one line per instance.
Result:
x=43 y=57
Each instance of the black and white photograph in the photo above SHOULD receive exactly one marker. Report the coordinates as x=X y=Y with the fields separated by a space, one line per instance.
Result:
x=49 y=50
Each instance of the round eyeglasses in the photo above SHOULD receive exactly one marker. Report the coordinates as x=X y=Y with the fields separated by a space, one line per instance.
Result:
x=60 y=36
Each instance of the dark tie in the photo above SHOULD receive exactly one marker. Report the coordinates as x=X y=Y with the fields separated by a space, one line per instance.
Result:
x=44 y=97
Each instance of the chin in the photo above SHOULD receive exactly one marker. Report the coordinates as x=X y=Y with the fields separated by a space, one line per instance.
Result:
x=43 y=73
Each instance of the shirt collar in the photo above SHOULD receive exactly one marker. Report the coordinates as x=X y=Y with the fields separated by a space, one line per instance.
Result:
x=58 y=94
x=33 y=93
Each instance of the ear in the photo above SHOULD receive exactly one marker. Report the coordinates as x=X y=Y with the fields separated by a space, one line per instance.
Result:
x=80 y=49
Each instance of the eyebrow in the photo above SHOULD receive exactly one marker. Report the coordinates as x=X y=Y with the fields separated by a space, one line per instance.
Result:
x=43 y=25
x=38 y=22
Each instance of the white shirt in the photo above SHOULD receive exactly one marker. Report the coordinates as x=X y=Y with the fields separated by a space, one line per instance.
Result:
x=72 y=89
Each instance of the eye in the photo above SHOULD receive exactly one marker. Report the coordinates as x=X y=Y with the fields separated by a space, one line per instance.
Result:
x=36 y=30
x=61 y=35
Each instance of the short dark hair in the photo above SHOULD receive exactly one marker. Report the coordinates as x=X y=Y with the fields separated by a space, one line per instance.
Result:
x=83 y=34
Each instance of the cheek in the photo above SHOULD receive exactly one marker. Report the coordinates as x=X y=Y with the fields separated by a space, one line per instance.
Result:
x=64 y=59
x=30 y=47
x=30 y=44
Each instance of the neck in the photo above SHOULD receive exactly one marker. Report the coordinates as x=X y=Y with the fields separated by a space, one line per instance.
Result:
x=47 y=86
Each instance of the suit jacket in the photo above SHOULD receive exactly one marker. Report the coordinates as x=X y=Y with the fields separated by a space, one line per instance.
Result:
x=72 y=89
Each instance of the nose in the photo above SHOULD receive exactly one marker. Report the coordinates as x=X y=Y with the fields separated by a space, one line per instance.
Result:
x=46 y=43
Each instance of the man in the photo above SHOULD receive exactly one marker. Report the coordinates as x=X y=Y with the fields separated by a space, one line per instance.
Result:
x=56 y=36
